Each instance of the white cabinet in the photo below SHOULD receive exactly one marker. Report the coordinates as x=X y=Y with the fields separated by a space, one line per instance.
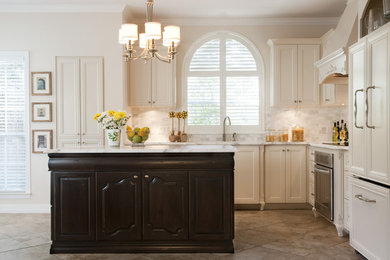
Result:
x=152 y=84
x=285 y=174
x=370 y=215
x=246 y=175
x=334 y=95
x=311 y=178
x=293 y=75
x=369 y=106
x=79 y=98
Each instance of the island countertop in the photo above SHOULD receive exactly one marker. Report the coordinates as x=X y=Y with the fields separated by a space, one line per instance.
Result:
x=188 y=148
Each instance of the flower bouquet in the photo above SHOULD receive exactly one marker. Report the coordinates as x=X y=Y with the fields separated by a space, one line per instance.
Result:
x=113 y=121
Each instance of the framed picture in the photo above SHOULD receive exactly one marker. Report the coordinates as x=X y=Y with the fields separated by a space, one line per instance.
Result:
x=41 y=83
x=41 y=112
x=42 y=140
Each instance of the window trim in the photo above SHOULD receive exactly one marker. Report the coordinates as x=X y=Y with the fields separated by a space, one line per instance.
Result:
x=27 y=192
x=260 y=72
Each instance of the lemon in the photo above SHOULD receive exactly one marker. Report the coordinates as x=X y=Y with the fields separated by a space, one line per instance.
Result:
x=137 y=139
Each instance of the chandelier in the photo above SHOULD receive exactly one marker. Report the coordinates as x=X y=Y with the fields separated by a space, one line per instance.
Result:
x=128 y=34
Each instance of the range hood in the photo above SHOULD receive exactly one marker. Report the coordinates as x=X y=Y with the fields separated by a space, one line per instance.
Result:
x=332 y=69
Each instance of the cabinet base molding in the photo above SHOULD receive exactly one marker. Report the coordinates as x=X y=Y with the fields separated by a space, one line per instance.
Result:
x=142 y=247
x=288 y=206
x=247 y=206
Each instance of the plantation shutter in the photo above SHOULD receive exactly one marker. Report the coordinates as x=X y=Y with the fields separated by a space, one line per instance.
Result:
x=14 y=150
x=223 y=80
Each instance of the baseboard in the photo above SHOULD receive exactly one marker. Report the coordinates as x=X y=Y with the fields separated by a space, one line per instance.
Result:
x=24 y=208
x=247 y=206
x=287 y=206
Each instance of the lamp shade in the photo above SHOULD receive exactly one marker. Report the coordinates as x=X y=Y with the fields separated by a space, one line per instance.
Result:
x=171 y=34
x=128 y=32
x=142 y=40
x=122 y=40
x=153 y=30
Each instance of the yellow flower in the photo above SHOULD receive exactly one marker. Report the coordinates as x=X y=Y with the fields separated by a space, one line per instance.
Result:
x=128 y=128
x=111 y=112
x=96 y=116
x=119 y=115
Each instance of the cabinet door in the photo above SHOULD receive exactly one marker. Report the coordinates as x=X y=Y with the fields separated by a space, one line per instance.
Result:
x=211 y=205
x=91 y=95
x=165 y=205
x=296 y=174
x=163 y=84
x=285 y=75
x=377 y=96
x=246 y=175
x=68 y=101
x=119 y=206
x=275 y=174
x=140 y=83
x=74 y=206
x=357 y=71
x=328 y=94
x=370 y=213
x=307 y=75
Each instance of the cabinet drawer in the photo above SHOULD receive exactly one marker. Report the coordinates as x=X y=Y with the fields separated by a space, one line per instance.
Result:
x=370 y=232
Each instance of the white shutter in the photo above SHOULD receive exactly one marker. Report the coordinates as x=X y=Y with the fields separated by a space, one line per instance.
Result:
x=14 y=130
x=223 y=80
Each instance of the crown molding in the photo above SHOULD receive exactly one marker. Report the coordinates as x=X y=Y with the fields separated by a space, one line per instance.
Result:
x=61 y=8
x=245 y=21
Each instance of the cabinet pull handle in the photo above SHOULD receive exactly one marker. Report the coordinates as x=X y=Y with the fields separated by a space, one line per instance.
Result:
x=360 y=197
x=367 y=108
x=355 y=108
x=146 y=176
x=135 y=176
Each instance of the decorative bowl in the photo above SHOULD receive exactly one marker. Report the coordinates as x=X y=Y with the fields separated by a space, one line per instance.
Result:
x=138 y=135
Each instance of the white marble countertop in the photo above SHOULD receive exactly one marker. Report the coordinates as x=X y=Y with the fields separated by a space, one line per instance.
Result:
x=329 y=146
x=185 y=148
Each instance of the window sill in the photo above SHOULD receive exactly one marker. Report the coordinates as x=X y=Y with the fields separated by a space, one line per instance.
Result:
x=15 y=195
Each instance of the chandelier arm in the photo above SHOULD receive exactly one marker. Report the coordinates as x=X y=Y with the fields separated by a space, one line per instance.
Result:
x=141 y=55
x=162 y=58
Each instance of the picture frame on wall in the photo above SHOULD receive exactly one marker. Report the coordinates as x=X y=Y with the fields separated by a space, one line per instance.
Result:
x=41 y=84
x=42 y=140
x=41 y=112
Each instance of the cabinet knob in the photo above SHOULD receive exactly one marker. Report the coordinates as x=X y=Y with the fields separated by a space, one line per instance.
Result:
x=149 y=102
x=135 y=176
x=283 y=150
x=327 y=99
x=84 y=142
x=78 y=142
x=295 y=101
x=146 y=176
x=78 y=133
x=288 y=150
x=83 y=133
x=312 y=194
x=300 y=101
x=154 y=102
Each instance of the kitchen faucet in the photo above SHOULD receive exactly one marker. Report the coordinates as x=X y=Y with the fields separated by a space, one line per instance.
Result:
x=224 y=128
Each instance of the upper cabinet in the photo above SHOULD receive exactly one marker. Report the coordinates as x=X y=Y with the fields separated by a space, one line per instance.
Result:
x=152 y=84
x=293 y=75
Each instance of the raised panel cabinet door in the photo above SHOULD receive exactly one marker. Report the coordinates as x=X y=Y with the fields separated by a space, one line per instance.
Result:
x=165 y=205
x=119 y=206
x=140 y=81
x=246 y=175
x=211 y=205
x=68 y=100
x=377 y=96
x=91 y=84
x=275 y=174
x=307 y=74
x=74 y=206
x=370 y=213
x=285 y=75
x=163 y=84
x=357 y=82
x=296 y=174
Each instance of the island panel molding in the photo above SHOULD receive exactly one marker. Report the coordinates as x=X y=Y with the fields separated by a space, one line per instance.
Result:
x=142 y=202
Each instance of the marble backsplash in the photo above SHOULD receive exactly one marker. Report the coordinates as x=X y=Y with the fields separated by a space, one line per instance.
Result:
x=317 y=123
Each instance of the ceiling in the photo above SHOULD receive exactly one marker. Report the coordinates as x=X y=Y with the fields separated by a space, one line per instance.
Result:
x=194 y=8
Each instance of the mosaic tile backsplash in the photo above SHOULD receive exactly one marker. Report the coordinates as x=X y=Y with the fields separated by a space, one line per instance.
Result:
x=317 y=123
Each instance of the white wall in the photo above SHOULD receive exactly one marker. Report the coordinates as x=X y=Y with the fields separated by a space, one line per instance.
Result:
x=45 y=36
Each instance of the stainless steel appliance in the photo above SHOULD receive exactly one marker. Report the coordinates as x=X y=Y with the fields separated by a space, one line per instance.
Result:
x=324 y=184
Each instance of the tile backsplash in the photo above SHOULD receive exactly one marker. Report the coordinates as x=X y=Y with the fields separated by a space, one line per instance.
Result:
x=317 y=123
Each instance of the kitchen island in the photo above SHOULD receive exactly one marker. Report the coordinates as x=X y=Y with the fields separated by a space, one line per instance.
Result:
x=148 y=199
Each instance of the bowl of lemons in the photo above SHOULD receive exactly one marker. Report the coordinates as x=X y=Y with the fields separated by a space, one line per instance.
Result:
x=138 y=135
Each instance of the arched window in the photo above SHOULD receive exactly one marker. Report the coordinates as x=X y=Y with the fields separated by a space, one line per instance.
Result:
x=224 y=77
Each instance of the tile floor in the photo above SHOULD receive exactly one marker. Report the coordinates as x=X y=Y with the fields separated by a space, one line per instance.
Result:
x=272 y=234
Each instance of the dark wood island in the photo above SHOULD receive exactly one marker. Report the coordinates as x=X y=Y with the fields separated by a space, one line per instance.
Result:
x=154 y=199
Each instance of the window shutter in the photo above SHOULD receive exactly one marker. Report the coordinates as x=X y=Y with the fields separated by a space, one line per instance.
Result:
x=206 y=58
x=13 y=126
x=238 y=57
